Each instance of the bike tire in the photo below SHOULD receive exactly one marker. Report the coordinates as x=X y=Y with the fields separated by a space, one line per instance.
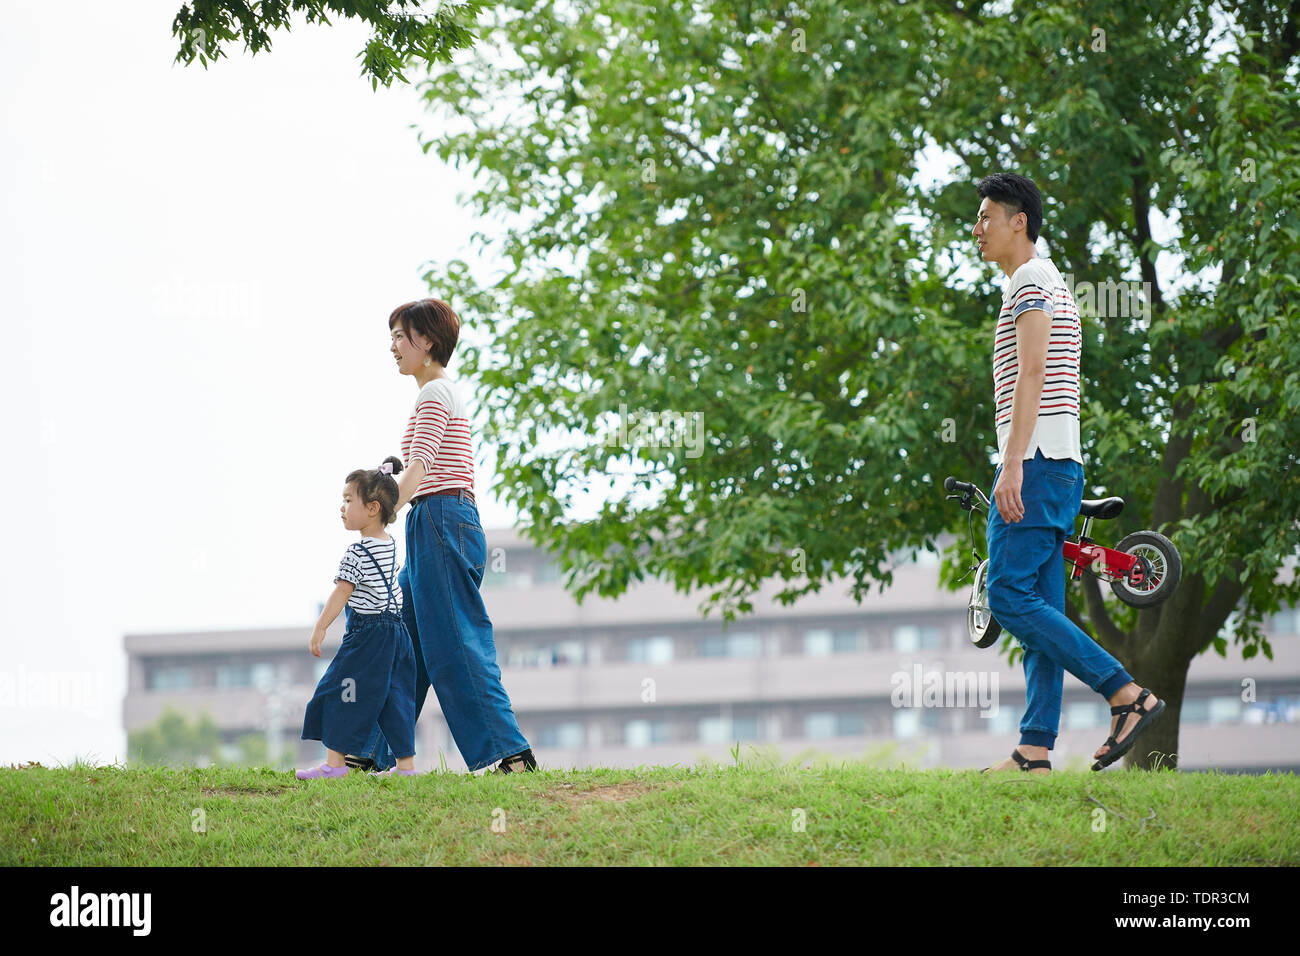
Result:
x=1167 y=568
x=981 y=625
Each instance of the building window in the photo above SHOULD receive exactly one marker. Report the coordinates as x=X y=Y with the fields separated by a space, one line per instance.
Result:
x=720 y=730
x=1005 y=721
x=643 y=733
x=507 y=580
x=1195 y=710
x=1283 y=710
x=650 y=650
x=908 y=638
x=557 y=654
x=819 y=643
x=233 y=676
x=823 y=724
x=567 y=735
x=907 y=722
x=171 y=677
x=1225 y=710
x=742 y=644
x=1084 y=714
x=849 y=641
x=1286 y=621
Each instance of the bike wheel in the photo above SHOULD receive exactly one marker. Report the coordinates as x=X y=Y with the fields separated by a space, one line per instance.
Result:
x=1163 y=572
x=980 y=622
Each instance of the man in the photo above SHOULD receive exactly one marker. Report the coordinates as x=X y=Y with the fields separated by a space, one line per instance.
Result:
x=1039 y=485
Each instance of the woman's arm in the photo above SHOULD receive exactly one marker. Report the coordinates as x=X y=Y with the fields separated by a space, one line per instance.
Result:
x=408 y=482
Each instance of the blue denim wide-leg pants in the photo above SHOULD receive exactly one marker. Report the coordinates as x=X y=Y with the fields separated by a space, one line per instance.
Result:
x=1026 y=590
x=446 y=553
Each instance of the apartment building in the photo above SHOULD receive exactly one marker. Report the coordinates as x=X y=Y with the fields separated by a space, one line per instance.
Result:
x=644 y=679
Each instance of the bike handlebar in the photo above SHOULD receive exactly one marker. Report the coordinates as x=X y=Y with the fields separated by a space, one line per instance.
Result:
x=951 y=484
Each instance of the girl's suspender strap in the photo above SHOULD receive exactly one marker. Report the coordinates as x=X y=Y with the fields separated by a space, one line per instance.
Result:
x=383 y=577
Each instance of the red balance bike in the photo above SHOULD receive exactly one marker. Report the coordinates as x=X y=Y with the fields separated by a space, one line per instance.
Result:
x=1143 y=570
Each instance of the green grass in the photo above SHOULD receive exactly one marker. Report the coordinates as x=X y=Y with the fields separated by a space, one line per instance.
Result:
x=853 y=814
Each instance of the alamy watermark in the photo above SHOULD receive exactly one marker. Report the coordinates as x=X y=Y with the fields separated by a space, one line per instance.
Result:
x=76 y=908
x=1129 y=299
x=942 y=688
x=667 y=429
x=53 y=690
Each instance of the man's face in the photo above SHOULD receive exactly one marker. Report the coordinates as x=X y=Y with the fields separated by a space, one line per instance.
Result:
x=996 y=229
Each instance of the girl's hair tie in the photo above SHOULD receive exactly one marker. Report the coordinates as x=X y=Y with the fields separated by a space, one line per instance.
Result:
x=386 y=468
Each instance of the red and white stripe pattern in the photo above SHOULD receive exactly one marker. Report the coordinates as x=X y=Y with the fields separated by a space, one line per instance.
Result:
x=1038 y=285
x=438 y=435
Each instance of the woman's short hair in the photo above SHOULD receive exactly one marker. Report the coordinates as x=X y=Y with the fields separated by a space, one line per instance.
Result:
x=435 y=321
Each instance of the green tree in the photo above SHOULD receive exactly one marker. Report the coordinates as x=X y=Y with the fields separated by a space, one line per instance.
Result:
x=402 y=32
x=719 y=211
x=175 y=741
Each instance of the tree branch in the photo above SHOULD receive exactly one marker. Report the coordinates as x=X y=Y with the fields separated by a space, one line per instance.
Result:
x=1142 y=224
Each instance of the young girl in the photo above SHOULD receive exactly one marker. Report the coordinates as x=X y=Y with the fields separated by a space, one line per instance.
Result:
x=372 y=677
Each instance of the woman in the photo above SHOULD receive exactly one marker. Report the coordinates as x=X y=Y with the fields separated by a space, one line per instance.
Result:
x=445 y=556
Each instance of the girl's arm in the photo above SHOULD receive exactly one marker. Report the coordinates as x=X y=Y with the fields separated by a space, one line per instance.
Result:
x=333 y=606
x=408 y=482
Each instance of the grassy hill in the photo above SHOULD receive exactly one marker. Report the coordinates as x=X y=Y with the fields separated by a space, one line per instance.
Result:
x=747 y=814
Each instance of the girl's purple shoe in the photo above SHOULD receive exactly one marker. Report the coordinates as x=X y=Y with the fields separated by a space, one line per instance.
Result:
x=324 y=770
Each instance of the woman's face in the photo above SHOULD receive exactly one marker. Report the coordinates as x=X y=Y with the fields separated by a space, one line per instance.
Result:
x=409 y=351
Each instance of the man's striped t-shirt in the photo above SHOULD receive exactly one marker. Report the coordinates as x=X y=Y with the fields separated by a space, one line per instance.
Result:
x=369 y=594
x=438 y=435
x=1038 y=285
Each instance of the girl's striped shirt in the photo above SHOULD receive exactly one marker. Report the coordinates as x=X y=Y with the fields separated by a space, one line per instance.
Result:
x=369 y=595
x=1038 y=285
x=438 y=435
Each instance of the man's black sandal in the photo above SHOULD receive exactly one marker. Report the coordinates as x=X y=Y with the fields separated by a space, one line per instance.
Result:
x=1025 y=763
x=1117 y=749
x=519 y=762
x=364 y=764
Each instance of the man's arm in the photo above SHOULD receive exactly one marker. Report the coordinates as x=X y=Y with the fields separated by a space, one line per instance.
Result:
x=1033 y=332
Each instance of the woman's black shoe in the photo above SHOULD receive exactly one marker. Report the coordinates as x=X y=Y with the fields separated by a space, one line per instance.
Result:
x=364 y=764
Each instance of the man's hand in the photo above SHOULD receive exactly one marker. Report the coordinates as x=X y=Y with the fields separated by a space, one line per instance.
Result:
x=1006 y=494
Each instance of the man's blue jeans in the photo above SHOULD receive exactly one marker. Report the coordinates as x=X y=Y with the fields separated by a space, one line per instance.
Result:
x=454 y=650
x=1026 y=589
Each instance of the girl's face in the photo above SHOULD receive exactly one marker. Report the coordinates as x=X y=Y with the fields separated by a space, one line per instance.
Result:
x=410 y=351
x=355 y=512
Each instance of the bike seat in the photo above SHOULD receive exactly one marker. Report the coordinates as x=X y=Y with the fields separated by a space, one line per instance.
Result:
x=1101 y=507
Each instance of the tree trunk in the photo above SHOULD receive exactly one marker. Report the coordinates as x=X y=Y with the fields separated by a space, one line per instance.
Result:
x=1157 y=748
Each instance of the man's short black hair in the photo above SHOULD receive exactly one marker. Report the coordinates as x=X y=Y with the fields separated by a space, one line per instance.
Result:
x=1017 y=194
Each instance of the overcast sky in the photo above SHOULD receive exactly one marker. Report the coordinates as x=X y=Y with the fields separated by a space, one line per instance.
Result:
x=196 y=271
